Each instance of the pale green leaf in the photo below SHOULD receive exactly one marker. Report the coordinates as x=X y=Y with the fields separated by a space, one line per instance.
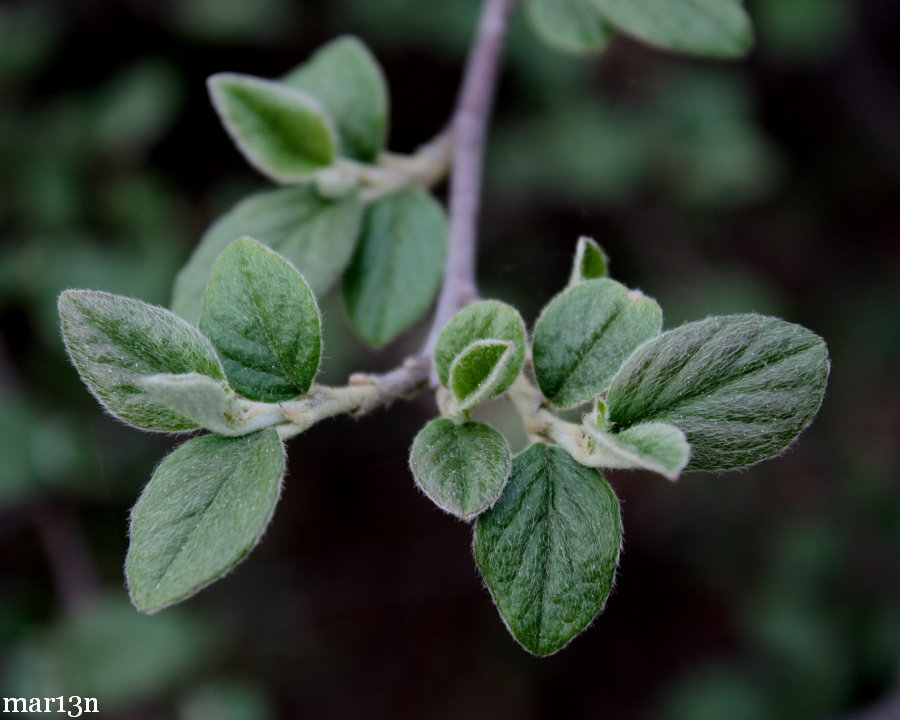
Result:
x=113 y=340
x=203 y=510
x=654 y=446
x=714 y=28
x=575 y=26
x=346 y=78
x=315 y=234
x=283 y=132
x=263 y=320
x=398 y=265
x=590 y=262
x=548 y=549
x=741 y=387
x=583 y=336
x=488 y=320
x=479 y=371
x=461 y=468
x=212 y=404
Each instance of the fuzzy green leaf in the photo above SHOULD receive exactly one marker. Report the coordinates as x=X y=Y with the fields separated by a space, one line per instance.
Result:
x=575 y=26
x=714 y=28
x=583 y=336
x=479 y=371
x=212 y=404
x=203 y=511
x=461 y=468
x=590 y=262
x=549 y=548
x=741 y=387
x=346 y=78
x=283 y=132
x=315 y=234
x=655 y=446
x=398 y=265
x=263 y=320
x=113 y=340
x=488 y=320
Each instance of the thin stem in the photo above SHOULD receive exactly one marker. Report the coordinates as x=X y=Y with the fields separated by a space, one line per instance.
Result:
x=469 y=128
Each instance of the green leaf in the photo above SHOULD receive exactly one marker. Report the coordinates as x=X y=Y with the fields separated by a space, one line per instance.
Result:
x=590 y=262
x=461 y=468
x=283 y=132
x=715 y=28
x=479 y=370
x=346 y=78
x=575 y=26
x=398 y=265
x=113 y=340
x=654 y=446
x=549 y=548
x=488 y=320
x=583 y=336
x=203 y=510
x=741 y=387
x=263 y=320
x=317 y=235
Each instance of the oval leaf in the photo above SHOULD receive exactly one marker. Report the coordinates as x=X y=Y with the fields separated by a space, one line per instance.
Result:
x=203 y=510
x=212 y=404
x=398 y=265
x=113 y=340
x=590 y=262
x=549 y=548
x=488 y=320
x=315 y=234
x=263 y=320
x=583 y=336
x=461 y=468
x=479 y=371
x=283 y=132
x=659 y=447
x=714 y=28
x=741 y=387
x=575 y=26
x=346 y=78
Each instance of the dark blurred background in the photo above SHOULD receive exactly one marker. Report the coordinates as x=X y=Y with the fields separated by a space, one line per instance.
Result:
x=770 y=185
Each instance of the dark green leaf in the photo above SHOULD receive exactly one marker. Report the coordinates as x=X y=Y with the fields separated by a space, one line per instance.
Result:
x=583 y=336
x=113 y=340
x=461 y=468
x=397 y=267
x=741 y=387
x=715 y=28
x=549 y=548
x=590 y=262
x=575 y=26
x=262 y=318
x=346 y=78
x=203 y=510
x=488 y=320
x=317 y=235
x=283 y=132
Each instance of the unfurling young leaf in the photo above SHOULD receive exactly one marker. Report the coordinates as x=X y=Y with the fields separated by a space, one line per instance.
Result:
x=283 y=132
x=262 y=318
x=590 y=262
x=655 y=446
x=583 y=336
x=741 y=387
x=114 y=340
x=461 y=468
x=575 y=26
x=490 y=320
x=549 y=548
x=315 y=234
x=212 y=404
x=479 y=371
x=398 y=265
x=203 y=510
x=346 y=78
x=714 y=28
